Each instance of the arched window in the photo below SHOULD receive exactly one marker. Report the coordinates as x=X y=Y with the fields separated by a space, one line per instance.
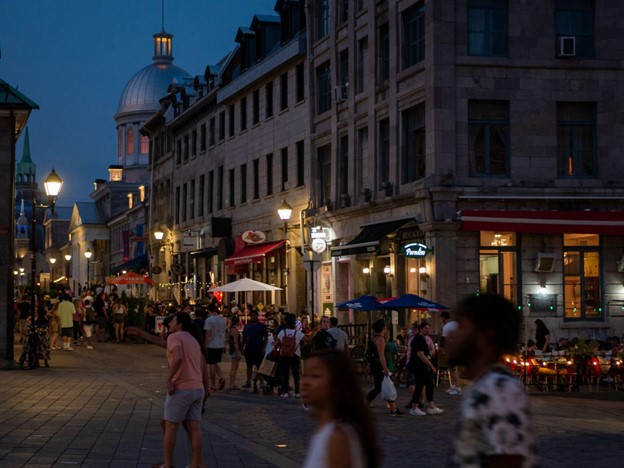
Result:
x=130 y=141
x=119 y=141
x=144 y=144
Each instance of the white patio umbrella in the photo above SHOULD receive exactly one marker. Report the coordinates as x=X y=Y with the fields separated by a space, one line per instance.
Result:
x=246 y=284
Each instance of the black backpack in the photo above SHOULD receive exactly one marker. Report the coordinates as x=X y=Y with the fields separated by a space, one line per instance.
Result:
x=371 y=352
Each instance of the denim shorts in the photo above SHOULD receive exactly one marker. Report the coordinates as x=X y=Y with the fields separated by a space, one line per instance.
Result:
x=184 y=405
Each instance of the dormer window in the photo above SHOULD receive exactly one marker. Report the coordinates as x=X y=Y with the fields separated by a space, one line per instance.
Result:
x=115 y=173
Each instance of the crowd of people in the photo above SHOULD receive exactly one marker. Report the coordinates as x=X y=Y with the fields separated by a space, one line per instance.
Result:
x=310 y=360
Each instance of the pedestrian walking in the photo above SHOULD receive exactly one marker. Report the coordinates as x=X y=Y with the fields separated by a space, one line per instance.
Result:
x=235 y=348
x=345 y=434
x=341 y=337
x=89 y=321
x=77 y=319
x=215 y=327
x=66 y=312
x=421 y=365
x=447 y=329
x=119 y=313
x=55 y=325
x=101 y=312
x=378 y=366
x=494 y=426
x=255 y=337
x=289 y=344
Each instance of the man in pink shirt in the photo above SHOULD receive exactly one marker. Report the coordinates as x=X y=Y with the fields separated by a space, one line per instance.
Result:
x=186 y=386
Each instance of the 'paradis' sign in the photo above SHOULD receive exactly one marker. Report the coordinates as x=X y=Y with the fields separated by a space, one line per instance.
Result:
x=415 y=250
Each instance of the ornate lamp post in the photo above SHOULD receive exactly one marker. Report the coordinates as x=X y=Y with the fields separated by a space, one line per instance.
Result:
x=52 y=262
x=88 y=254
x=52 y=184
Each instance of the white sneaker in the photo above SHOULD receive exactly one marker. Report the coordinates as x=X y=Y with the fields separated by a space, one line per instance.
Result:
x=417 y=412
x=69 y=348
x=434 y=410
x=284 y=395
x=455 y=391
x=89 y=347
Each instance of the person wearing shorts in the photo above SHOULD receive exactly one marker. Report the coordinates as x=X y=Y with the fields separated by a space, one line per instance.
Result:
x=255 y=337
x=186 y=389
x=215 y=345
x=66 y=312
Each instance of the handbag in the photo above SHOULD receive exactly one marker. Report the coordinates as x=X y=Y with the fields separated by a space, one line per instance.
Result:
x=388 y=390
x=267 y=368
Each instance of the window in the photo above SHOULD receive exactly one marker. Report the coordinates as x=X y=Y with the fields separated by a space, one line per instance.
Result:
x=222 y=126
x=324 y=173
x=343 y=11
x=575 y=18
x=184 y=201
x=202 y=135
x=211 y=133
x=498 y=264
x=323 y=88
x=269 y=173
x=186 y=148
x=343 y=67
x=383 y=54
x=362 y=65
x=210 y=191
x=144 y=144
x=231 y=129
x=300 y=82
x=232 y=192
x=487 y=28
x=322 y=18
x=343 y=172
x=284 y=157
x=384 y=151
x=243 y=183
x=221 y=190
x=243 y=114
x=361 y=155
x=413 y=157
x=177 y=205
x=256 y=179
x=268 y=91
x=256 y=107
x=130 y=141
x=202 y=188
x=194 y=142
x=576 y=139
x=284 y=91
x=178 y=151
x=488 y=138
x=413 y=35
x=581 y=276
x=300 y=164
x=191 y=201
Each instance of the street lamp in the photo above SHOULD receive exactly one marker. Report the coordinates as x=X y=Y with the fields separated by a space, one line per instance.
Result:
x=284 y=211
x=367 y=272
x=88 y=254
x=52 y=185
x=52 y=262
x=158 y=235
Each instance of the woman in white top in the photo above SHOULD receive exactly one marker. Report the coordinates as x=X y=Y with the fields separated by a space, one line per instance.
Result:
x=289 y=343
x=345 y=437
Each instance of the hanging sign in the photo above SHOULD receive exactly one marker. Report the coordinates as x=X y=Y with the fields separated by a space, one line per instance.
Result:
x=415 y=250
x=318 y=245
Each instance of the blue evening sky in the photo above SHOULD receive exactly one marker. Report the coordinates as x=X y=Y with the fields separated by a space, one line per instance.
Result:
x=74 y=57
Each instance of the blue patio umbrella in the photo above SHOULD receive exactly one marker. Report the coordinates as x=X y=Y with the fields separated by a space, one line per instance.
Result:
x=412 y=301
x=366 y=302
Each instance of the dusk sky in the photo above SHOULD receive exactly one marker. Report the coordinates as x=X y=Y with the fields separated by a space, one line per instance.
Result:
x=74 y=57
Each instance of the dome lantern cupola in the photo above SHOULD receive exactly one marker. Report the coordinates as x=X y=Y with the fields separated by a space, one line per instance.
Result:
x=163 y=47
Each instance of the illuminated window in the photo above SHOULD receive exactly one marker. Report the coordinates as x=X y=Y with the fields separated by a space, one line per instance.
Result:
x=498 y=264
x=144 y=144
x=581 y=276
x=130 y=141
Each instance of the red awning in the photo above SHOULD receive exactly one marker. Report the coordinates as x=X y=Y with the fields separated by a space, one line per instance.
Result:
x=581 y=222
x=252 y=253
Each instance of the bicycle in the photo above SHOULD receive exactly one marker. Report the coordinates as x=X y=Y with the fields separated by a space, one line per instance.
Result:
x=34 y=348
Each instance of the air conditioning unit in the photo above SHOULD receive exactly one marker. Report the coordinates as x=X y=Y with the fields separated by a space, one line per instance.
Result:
x=566 y=46
x=545 y=262
x=341 y=92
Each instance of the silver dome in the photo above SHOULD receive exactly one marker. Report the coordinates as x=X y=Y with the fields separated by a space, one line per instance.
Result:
x=148 y=86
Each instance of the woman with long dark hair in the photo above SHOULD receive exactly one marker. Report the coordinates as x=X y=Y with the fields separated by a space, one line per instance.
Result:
x=345 y=434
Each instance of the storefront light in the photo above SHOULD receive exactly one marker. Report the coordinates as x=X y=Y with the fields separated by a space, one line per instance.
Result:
x=366 y=271
x=422 y=270
x=412 y=270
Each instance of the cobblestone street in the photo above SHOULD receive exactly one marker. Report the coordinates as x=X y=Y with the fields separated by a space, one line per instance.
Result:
x=103 y=407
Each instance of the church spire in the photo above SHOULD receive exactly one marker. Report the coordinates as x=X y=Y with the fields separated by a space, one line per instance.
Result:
x=26 y=151
x=26 y=170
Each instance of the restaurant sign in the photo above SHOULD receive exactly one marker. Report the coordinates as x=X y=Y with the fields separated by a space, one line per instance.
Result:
x=415 y=250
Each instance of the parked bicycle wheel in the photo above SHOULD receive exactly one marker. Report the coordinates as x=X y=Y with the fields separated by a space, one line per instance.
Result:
x=28 y=359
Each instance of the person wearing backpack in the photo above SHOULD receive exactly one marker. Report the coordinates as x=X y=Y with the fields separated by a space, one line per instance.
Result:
x=322 y=338
x=289 y=343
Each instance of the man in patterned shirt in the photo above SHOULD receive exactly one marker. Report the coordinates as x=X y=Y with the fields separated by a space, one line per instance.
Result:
x=494 y=428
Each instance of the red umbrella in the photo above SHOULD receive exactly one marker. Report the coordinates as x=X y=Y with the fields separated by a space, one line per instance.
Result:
x=130 y=278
